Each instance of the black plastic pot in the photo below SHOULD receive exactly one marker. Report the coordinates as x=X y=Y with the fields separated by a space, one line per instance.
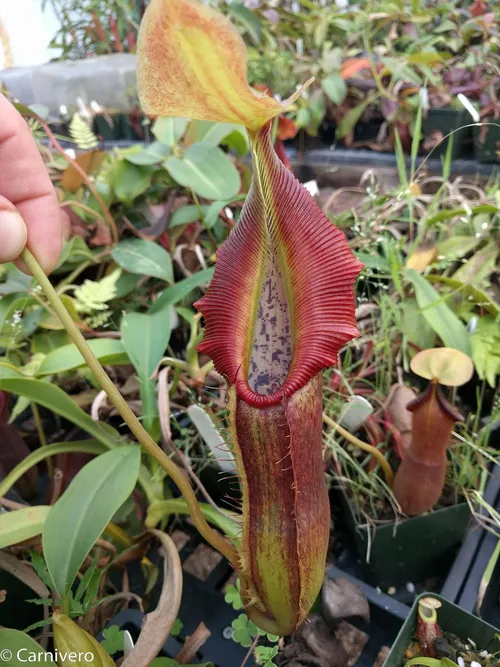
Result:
x=115 y=127
x=451 y=619
x=487 y=142
x=463 y=583
x=446 y=121
x=202 y=602
x=415 y=548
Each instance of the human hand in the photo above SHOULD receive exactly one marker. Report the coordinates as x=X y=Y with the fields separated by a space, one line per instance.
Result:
x=29 y=210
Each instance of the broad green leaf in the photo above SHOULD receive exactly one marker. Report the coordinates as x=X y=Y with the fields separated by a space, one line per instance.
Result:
x=457 y=246
x=169 y=130
x=126 y=284
x=351 y=118
x=207 y=170
x=247 y=18
x=374 y=262
x=335 y=87
x=144 y=257
x=145 y=338
x=21 y=647
x=210 y=133
x=109 y=351
x=129 y=181
x=479 y=267
x=82 y=513
x=55 y=399
x=237 y=141
x=149 y=155
x=48 y=342
x=438 y=314
x=16 y=281
x=415 y=326
x=22 y=524
x=181 y=290
x=185 y=215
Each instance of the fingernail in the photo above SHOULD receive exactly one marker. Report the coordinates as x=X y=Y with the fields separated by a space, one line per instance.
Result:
x=13 y=235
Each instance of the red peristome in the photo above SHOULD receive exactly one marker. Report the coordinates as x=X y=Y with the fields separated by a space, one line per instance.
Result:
x=421 y=475
x=280 y=220
x=286 y=512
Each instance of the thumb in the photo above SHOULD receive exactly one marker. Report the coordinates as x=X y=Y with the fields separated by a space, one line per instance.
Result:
x=13 y=232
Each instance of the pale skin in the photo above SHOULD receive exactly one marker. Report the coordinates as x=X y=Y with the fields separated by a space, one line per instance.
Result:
x=29 y=211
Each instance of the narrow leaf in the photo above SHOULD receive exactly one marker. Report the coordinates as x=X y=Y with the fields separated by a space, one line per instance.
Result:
x=109 y=351
x=438 y=314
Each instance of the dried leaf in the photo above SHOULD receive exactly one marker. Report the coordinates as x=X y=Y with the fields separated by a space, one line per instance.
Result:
x=157 y=624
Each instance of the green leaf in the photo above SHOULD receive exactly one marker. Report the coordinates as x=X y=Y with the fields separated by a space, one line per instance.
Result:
x=145 y=338
x=438 y=314
x=207 y=170
x=177 y=627
x=248 y=19
x=457 y=246
x=415 y=326
x=476 y=295
x=109 y=351
x=185 y=215
x=425 y=662
x=335 y=87
x=169 y=130
x=181 y=290
x=237 y=141
x=113 y=639
x=212 y=212
x=40 y=567
x=479 y=267
x=374 y=262
x=244 y=630
x=144 y=257
x=17 y=281
x=129 y=181
x=55 y=399
x=232 y=596
x=486 y=349
x=22 y=647
x=75 y=250
x=452 y=213
x=13 y=303
x=146 y=156
x=401 y=71
x=22 y=524
x=212 y=134
x=351 y=118
x=82 y=513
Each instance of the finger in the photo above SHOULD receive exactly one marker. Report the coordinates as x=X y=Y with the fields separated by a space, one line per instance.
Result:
x=13 y=232
x=24 y=181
